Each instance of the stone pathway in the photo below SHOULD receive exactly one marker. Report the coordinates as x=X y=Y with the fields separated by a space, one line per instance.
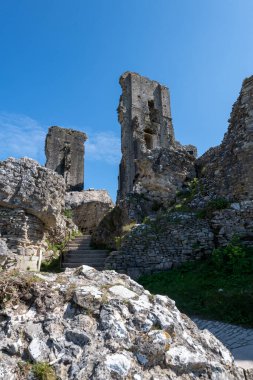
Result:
x=79 y=252
x=237 y=339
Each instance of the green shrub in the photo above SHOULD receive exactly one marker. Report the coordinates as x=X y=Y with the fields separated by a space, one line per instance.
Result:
x=213 y=205
x=217 y=204
x=68 y=214
x=230 y=258
x=118 y=242
x=43 y=371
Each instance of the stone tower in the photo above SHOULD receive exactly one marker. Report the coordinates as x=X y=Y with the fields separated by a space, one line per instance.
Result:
x=65 y=155
x=145 y=118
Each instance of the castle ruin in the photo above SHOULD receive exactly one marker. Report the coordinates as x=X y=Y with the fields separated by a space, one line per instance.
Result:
x=153 y=163
x=65 y=155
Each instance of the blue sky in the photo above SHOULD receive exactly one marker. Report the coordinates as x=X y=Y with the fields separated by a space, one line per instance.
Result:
x=61 y=61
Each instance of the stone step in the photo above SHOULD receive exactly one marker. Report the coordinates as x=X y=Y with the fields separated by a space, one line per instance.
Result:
x=92 y=252
x=76 y=265
x=83 y=257
x=82 y=238
x=75 y=246
x=86 y=253
x=90 y=262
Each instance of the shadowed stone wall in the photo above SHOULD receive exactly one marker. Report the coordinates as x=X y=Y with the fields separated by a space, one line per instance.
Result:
x=65 y=155
x=226 y=170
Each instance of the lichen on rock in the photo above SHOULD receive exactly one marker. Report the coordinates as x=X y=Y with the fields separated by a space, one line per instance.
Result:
x=102 y=325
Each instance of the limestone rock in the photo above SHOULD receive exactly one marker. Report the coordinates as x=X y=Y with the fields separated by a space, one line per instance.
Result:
x=88 y=208
x=8 y=259
x=24 y=184
x=77 y=322
x=31 y=209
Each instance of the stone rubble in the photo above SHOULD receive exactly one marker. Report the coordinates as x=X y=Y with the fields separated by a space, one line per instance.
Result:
x=103 y=325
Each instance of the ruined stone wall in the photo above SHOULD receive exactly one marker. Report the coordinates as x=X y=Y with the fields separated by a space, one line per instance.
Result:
x=226 y=171
x=179 y=237
x=153 y=163
x=163 y=244
x=65 y=155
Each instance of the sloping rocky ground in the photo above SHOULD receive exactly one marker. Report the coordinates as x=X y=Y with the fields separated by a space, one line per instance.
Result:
x=102 y=325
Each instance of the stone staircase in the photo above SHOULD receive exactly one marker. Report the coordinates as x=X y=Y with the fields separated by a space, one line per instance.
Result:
x=79 y=252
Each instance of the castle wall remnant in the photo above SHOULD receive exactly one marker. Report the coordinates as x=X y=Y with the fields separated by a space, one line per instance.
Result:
x=153 y=163
x=144 y=113
x=65 y=155
x=226 y=170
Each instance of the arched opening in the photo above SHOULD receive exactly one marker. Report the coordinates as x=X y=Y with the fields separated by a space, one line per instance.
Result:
x=148 y=140
x=153 y=112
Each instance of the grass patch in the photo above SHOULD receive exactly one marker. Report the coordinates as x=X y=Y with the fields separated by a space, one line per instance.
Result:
x=54 y=264
x=43 y=371
x=219 y=287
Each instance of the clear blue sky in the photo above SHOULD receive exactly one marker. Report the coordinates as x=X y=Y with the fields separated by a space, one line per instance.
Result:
x=61 y=60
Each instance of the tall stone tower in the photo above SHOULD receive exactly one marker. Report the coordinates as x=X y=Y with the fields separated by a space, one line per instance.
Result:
x=65 y=155
x=146 y=124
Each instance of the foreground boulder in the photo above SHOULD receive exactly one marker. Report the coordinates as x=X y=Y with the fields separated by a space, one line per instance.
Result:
x=102 y=325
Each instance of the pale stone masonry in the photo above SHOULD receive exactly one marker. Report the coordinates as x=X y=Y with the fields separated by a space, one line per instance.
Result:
x=144 y=113
x=153 y=163
x=65 y=155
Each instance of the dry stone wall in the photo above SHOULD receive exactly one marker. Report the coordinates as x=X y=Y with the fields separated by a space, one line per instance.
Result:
x=162 y=244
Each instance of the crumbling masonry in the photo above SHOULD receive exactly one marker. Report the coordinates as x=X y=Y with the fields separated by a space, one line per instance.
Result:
x=153 y=163
x=65 y=155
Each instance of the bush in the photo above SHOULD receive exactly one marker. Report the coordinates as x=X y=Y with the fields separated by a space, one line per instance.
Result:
x=68 y=214
x=232 y=258
x=43 y=371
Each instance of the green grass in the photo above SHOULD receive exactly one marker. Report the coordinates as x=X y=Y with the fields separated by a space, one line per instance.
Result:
x=219 y=289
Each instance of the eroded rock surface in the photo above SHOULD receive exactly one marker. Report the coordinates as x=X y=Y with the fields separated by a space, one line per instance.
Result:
x=31 y=208
x=88 y=208
x=24 y=184
x=226 y=170
x=102 y=325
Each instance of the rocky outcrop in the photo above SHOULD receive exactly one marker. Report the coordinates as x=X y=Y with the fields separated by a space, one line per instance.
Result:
x=31 y=207
x=88 y=208
x=7 y=257
x=102 y=325
x=24 y=184
x=65 y=155
x=226 y=171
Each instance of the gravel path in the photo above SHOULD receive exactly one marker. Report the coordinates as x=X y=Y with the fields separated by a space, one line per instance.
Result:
x=237 y=339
